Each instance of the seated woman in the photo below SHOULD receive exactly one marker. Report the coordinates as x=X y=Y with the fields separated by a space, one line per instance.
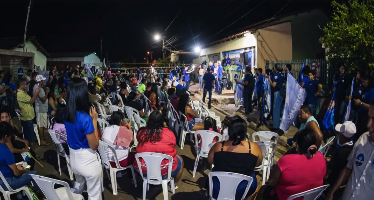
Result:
x=15 y=175
x=17 y=145
x=159 y=139
x=121 y=138
x=52 y=102
x=236 y=155
x=211 y=125
x=295 y=173
x=194 y=123
x=154 y=98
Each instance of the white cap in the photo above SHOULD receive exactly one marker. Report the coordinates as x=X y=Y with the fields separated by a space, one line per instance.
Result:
x=40 y=78
x=348 y=129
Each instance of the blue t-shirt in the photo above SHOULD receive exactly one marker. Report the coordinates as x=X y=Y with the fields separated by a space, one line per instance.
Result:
x=278 y=78
x=208 y=78
x=305 y=80
x=358 y=93
x=342 y=82
x=219 y=71
x=368 y=98
x=227 y=61
x=186 y=76
x=260 y=82
x=76 y=133
x=212 y=68
x=20 y=71
x=12 y=86
x=248 y=78
x=66 y=76
x=311 y=89
x=6 y=159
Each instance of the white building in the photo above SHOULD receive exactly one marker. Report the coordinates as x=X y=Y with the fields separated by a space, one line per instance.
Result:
x=73 y=59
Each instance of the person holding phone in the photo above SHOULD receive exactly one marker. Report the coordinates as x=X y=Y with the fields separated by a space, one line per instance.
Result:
x=80 y=121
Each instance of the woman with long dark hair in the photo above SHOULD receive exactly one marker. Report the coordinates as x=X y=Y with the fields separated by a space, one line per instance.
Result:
x=155 y=137
x=81 y=128
x=236 y=155
x=52 y=102
x=194 y=122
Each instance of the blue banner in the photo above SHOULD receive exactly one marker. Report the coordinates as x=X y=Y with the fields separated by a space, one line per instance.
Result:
x=295 y=96
x=300 y=78
x=348 y=113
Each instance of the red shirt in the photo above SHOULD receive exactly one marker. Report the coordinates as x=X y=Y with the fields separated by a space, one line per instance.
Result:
x=299 y=174
x=165 y=146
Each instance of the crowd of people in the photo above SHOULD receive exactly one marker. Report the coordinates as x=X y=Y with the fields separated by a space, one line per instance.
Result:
x=69 y=103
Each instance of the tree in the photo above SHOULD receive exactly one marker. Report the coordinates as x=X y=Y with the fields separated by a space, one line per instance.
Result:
x=349 y=37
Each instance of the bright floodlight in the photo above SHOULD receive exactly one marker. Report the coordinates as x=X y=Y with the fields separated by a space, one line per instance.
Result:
x=157 y=37
x=197 y=49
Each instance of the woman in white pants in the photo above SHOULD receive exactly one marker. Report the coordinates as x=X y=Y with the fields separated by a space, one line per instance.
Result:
x=81 y=128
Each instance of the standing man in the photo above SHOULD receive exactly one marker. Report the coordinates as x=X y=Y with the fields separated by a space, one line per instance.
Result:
x=219 y=77
x=161 y=75
x=139 y=75
x=186 y=74
x=248 y=90
x=208 y=82
x=228 y=60
x=32 y=83
x=20 y=72
x=276 y=83
x=27 y=112
x=341 y=84
x=360 y=168
x=259 y=86
x=41 y=108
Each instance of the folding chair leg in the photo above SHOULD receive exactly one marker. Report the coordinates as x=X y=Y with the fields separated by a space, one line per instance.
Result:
x=145 y=185
x=70 y=173
x=172 y=185
x=27 y=192
x=58 y=162
x=165 y=189
x=195 y=167
x=113 y=180
x=6 y=196
x=133 y=176
x=264 y=175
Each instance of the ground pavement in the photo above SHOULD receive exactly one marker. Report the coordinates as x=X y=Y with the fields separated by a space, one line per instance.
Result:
x=188 y=187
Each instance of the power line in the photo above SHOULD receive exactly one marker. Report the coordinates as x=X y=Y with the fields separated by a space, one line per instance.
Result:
x=174 y=18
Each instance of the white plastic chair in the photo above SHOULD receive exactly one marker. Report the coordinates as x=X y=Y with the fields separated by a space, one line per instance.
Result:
x=268 y=149
x=154 y=177
x=103 y=124
x=104 y=150
x=184 y=130
x=47 y=185
x=206 y=138
x=36 y=130
x=326 y=148
x=265 y=136
x=228 y=184
x=101 y=111
x=10 y=191
x=312 y=194
x=60 y=152
x=134 y=116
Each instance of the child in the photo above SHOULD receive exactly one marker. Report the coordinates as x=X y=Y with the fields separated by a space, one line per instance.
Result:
x=59 y=127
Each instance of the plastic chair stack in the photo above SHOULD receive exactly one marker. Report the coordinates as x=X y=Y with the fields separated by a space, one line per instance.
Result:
x=268 y=149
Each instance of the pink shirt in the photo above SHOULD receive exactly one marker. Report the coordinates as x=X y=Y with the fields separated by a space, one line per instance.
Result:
x=299 y=174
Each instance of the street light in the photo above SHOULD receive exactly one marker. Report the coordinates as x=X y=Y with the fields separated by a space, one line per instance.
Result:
x=197 y=49
x=157 y=37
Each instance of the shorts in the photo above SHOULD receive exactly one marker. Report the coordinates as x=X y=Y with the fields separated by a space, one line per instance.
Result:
x=192 y=123
x=42 y=120
x=173 y=173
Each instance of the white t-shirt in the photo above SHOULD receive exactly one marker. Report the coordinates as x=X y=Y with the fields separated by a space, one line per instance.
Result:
x=109 y=135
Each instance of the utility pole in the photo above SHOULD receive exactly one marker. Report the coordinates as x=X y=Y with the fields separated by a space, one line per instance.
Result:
x=163 y=48
x=101 y=48
x=27 y=21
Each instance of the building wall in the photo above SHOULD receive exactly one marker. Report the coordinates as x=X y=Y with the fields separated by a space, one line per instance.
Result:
x=39 y=59
x=274 y=43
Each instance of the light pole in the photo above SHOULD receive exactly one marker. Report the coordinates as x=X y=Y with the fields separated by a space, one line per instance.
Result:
x=157 y=38
x=150 y=52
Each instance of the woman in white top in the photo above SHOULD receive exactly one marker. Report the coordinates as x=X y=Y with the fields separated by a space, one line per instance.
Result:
x=120 y=138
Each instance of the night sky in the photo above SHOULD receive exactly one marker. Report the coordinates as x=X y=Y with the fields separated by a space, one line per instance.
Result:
x=127 y=26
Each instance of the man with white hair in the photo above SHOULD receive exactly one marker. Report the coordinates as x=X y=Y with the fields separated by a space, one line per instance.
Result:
x=41 y=108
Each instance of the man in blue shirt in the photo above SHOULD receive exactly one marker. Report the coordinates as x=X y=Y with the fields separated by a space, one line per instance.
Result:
x=139 y=75
x=20 y=72
x=208 y=82
x=186 y=74
x=312 y=90
x=276 y=83
x=305 y=79
x=219 y=77
x=361 y=86
x=248 y=90
x=341 y=81
x=259 y=85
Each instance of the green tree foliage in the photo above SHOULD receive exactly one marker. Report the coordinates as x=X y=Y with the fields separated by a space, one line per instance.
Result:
x=163 y=60
x=349 y=37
